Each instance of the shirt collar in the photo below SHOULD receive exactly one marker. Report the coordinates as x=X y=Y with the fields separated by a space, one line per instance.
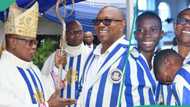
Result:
x=97 y=51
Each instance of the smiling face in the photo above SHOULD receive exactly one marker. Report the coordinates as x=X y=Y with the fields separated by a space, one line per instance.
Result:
x=148 y=33
x=109 y=25
x=182 y=29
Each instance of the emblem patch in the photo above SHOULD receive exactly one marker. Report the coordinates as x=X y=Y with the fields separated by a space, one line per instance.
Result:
x=72 y=76
x=116 y=75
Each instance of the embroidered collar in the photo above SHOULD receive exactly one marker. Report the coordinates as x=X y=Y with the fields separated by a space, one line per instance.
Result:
x=75 y=50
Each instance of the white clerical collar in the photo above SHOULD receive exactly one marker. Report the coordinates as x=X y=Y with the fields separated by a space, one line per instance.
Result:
x=7 y=56
x=74 y=50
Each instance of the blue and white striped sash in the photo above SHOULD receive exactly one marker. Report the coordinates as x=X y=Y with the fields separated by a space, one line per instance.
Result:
x=35 y=81
x=74 y=63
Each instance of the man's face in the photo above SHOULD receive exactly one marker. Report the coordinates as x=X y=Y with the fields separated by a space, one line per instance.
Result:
x=109 y=25
x=24 y=48
x=88 y=38
x=183 y=29
x=74 y=35
x=148 y=34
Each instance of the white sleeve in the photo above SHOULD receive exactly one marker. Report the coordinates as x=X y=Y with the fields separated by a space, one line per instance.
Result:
x=49 y=64
x=8 y=97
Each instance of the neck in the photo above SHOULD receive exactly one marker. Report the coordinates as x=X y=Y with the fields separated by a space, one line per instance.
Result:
x=148 y=56
x=105 y=47
x=183 y=50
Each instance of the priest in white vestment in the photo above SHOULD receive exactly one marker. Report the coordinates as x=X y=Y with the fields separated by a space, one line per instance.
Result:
x=20 y=79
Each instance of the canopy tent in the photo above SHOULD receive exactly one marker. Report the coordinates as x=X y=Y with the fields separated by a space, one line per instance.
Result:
x=83 y=11
x=44 y=5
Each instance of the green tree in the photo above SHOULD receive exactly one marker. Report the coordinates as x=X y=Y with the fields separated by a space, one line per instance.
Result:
x=46 y=47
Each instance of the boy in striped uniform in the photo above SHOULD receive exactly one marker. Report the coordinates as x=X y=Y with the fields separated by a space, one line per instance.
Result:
x=20 y=80
x=142 y=81
x=166 y=63
x=76 y=54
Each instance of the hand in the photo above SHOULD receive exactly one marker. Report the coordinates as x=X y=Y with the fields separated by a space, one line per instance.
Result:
x=60 y=58
x=56 y=101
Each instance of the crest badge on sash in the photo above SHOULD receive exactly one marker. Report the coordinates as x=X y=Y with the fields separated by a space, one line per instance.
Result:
x=116 y=75
x=72 y=76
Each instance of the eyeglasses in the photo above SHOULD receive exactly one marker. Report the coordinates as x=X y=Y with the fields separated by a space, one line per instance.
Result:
x=182 y=21
x=106 y=22
x=28 y=42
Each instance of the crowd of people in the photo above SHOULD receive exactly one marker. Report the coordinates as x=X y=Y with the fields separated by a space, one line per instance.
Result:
x=112 y=74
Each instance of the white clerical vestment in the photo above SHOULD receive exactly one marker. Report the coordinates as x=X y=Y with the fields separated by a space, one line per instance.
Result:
x=20 y=81
x=72 y=72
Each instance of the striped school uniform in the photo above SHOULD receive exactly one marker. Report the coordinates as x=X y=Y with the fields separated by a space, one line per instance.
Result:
x=140 y=82
x=164 y=95
x=181 y=87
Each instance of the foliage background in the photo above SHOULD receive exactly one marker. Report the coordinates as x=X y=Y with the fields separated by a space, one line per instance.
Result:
x=46 y=46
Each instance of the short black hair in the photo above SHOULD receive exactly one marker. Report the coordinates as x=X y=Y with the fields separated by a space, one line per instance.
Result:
x=70 y=23
x=149 y=14
x=181 y=13
x=159 y=59
x=111 y=6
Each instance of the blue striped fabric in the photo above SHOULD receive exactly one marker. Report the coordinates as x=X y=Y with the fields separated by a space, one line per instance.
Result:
x=71 y=90
x=99 y=89
x=140 y=83
x=33 y=82
x=181 y=87
x=164 y=95
x=74 y=63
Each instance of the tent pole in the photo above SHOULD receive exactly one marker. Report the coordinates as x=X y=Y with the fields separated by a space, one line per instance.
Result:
x=130 y=16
